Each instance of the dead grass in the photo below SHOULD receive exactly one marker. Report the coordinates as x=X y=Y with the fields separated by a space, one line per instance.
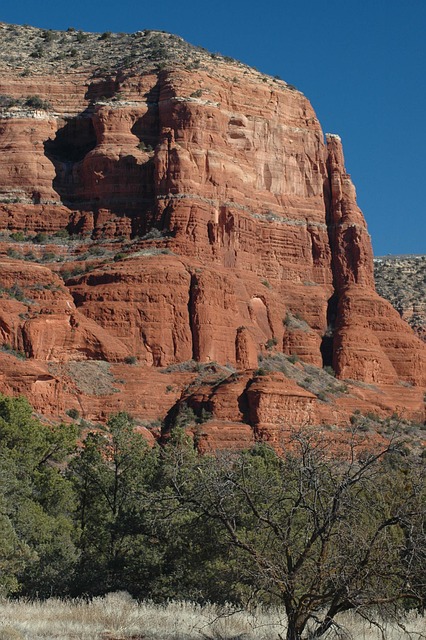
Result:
x=313 y=379
x=118 y=617
x=92 y=377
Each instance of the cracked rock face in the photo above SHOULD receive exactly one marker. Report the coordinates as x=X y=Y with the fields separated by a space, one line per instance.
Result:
x=238 y=228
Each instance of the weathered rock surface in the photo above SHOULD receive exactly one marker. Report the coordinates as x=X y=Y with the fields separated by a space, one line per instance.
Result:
x=38 y=317
x=210 y=222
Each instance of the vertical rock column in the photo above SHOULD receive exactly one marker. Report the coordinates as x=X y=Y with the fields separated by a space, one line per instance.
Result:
x=370 y=342
x=349 y=238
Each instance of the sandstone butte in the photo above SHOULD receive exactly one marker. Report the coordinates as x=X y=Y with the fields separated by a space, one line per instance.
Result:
x=166 y=220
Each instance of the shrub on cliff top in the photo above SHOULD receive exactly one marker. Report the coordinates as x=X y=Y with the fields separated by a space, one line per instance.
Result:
x=6 y=102
x=35 y=102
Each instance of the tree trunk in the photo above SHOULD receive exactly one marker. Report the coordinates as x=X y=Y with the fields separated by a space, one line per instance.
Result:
x=292 y=633
x=293 y=630
x=323 y=627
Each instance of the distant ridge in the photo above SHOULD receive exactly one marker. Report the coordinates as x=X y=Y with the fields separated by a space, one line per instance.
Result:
x=401 y=279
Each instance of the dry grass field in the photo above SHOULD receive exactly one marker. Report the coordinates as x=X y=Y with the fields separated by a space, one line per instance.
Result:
x=118 y=617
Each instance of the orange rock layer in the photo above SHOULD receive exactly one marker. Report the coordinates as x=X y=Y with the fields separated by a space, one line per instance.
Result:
x=259 y=248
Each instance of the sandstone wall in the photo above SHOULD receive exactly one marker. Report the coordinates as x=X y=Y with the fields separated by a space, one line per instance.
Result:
x=260 y=246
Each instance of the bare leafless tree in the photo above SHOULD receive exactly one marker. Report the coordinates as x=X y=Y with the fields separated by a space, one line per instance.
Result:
x=320 y=532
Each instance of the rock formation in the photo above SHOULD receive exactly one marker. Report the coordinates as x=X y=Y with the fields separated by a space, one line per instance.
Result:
x=189 y=217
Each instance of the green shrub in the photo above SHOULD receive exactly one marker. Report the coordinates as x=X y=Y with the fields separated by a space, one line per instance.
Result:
x=271 y=342
x=37 y=53
x=40 y=238
x=35 y=102
x=18 y=236
x=96 y=251
x=7 y=348
x=7 y=101
x=363 y=427
x=185 y=417
x=81 y=37
x=73 y=413
x=189 y=365
x=62 y=233
x=48 y=35
x=77 y=271
x=293 y=358
x=131 y=360
x=144 y=147
x=12 y=253
x=48 y=256
x=16 y=292
x=204 y=416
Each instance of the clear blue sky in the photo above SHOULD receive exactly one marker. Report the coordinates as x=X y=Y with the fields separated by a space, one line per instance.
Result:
x=361 y=63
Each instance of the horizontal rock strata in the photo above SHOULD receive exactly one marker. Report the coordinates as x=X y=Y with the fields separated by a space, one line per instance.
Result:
x=210 y=222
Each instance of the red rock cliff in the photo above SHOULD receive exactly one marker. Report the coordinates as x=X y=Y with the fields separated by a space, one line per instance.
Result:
x=255 y=243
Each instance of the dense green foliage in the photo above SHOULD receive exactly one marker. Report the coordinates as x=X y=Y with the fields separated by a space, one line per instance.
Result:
x=315 y=533
x=37 y=502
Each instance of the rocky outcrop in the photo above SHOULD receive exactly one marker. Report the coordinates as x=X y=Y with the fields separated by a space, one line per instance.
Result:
x=210 y=222
x=350 y=242
x=38 y=318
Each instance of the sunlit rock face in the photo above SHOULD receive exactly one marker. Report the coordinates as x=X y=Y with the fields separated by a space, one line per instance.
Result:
x=255 y=245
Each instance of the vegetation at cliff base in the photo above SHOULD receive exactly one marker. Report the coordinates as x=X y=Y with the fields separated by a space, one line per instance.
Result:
x=314 y=532
x=37 y=501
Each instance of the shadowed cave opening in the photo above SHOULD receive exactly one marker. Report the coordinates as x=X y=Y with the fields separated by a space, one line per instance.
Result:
x=125 y=185
x=146 y=128
x=72 y=141
x=70 y=145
